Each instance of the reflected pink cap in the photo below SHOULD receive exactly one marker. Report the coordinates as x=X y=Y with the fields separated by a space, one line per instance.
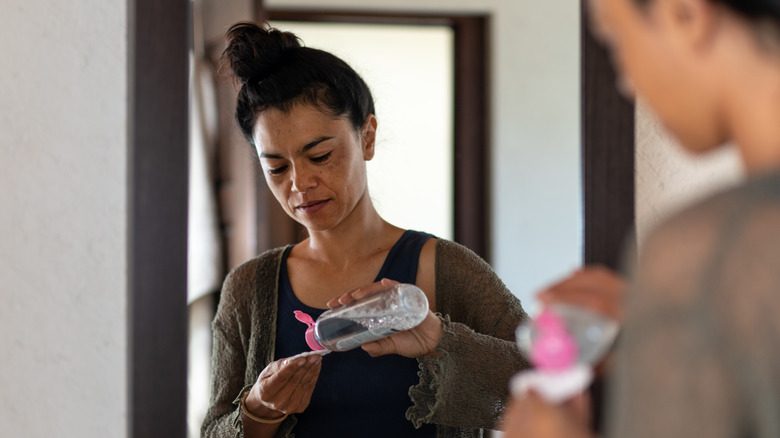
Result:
x=554 y=349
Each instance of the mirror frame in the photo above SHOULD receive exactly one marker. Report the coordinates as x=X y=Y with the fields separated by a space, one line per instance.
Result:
x=608 y=155
x=608 y=162
x=158 y=74
x=157 y=232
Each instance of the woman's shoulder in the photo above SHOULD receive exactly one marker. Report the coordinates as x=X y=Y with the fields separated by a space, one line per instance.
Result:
x=266 y=260
x=244 y=278
x=450 y=252
x=742 y=219
x=458 y=264
x=723 y=212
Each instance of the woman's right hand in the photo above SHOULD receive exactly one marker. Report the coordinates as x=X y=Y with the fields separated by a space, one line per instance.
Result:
x=594 y=287
x=284 y=387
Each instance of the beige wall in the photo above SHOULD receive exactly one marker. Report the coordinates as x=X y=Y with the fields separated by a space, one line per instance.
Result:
x=63 y=153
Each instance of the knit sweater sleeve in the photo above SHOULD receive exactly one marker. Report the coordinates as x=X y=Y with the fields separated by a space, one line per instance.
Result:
x=242 y=336
x=467 y=384
x=229 y=355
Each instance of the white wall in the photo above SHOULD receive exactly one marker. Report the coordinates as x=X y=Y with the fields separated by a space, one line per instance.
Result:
x=668 y=178
x=63 y=153
x=536 y=214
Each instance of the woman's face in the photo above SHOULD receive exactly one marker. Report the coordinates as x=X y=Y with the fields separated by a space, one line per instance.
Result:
x=314 y=163
x=657 y=55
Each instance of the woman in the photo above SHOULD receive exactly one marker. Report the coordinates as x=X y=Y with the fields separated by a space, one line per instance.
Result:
x=700 y=353
x=311 y=120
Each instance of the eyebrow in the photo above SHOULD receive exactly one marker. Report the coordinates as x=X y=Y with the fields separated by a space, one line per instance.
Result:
x=305 y=148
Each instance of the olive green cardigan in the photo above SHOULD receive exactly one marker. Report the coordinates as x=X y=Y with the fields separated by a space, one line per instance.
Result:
x=463 y=390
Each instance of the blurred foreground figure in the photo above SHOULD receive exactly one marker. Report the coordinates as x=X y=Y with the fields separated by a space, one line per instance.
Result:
x=700 y=352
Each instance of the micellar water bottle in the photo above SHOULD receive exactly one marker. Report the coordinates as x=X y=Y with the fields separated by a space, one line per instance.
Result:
x=563 y=343
x=588 y=333
x=395 y=309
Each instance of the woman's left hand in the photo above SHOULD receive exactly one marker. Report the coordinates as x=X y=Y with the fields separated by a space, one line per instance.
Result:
x=417 y=342
x=530 y=416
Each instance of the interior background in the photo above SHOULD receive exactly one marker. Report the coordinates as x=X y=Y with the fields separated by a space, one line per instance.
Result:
x=63 y=188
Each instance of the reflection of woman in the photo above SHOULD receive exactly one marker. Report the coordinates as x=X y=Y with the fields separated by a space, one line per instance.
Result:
x=700 y=353
x=311 y=119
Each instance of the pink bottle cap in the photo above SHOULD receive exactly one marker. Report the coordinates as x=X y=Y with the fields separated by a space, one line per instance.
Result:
x=311 y=341
x=554 y=349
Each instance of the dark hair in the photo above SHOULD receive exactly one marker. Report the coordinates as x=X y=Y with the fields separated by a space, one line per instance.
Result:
x=754 y=9
x=276 y=71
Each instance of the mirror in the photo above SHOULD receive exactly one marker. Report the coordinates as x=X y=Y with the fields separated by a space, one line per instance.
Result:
x=534 y=135
x=534 y=108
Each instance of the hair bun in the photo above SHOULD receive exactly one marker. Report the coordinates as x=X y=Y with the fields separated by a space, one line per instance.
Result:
x=254 y=52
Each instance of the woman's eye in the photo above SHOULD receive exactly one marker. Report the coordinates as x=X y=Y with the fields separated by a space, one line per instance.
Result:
x=321 y=158
x=277 y=170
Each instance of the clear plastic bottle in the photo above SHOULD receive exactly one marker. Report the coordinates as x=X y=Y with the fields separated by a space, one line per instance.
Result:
x=395 y=309
x=591 y=334
x=563 y=343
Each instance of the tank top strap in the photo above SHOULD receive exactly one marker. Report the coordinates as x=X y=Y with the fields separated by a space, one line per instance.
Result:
x=402 y=260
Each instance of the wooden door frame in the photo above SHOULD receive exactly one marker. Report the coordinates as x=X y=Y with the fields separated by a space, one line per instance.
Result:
x=471 y=118
x=608 y=161
x=158 y=67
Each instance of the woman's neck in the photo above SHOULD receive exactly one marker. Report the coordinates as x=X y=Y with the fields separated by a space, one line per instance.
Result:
x=756 y=128
x=753 y=105
x=362 y=233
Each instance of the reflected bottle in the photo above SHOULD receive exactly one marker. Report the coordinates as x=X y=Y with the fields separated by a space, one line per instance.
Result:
x=395 y=309
x=563 y=335
x=563 y=343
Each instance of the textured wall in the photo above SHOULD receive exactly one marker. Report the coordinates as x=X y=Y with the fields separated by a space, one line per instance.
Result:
x=536 y=214
x=63 y=141
x=668 y=178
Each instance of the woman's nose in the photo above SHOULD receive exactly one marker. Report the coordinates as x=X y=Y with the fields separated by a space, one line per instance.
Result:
x=302 y=179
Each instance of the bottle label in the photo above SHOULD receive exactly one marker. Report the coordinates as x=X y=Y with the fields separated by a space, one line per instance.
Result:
x=362 y=338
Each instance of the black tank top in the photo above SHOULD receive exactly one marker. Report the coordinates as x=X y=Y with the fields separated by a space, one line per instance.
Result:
x=356 y=395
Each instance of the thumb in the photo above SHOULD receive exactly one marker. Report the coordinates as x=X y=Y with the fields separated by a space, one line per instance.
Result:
x=379 y=347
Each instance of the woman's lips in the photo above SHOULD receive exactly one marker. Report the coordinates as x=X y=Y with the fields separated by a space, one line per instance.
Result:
x=311 y=207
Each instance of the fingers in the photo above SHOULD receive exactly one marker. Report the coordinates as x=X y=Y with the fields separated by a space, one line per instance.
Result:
x=306 y=390
x=594 y=287
x=361 y=292
x=417 y=342
x=530 y=416
x=580 y=407
x=286 y=385
x=303 y=388
x=512 y=421
x=526 y=416
x=293 y=371
x=372 y=288
x=588 y=278
x=380 y=347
